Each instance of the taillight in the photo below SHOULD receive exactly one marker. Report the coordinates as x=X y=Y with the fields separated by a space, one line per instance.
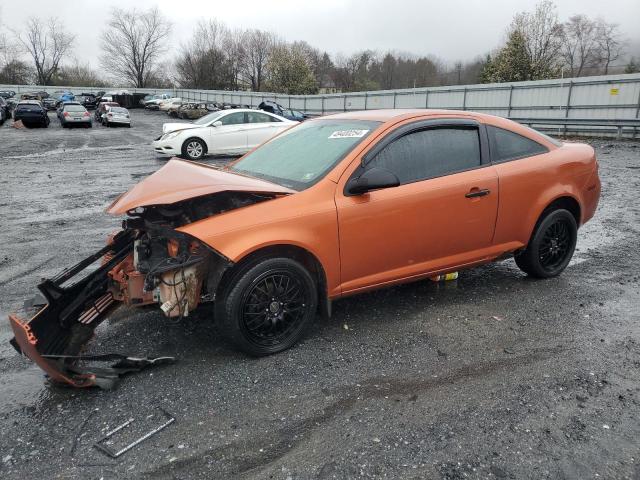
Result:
x=109 y=114
x=86 y=114
x=66 y=114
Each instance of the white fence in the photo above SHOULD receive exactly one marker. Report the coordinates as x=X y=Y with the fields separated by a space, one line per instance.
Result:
x=597 y=104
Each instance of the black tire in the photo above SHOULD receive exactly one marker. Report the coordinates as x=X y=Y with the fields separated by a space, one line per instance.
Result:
x=193 y=148
x=551 y=246
x=267 y=306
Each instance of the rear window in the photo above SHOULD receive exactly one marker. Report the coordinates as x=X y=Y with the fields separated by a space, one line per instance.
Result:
x=74 y=108
x=507 y=145
x=28 y=108
x=118 y=110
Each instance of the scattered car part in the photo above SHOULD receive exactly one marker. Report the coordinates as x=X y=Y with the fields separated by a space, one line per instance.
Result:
x=115 y=454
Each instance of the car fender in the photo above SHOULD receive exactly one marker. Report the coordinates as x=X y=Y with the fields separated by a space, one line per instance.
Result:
x=546 y=198
x=284 y=220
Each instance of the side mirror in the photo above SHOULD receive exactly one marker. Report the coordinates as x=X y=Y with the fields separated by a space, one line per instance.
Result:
x=217 y=123
x=373 y=179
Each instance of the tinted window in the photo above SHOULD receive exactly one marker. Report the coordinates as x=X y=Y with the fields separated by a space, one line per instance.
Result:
x=256 y=117
x=233 y=118
x=74 y=108
x=430 y=153
x=506 y=145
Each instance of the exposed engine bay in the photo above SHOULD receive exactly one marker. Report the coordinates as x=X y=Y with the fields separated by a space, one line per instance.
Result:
x=148 y=262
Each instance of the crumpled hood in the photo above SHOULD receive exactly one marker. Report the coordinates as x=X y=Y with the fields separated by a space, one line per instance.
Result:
x=180 y=180
x=174 y=127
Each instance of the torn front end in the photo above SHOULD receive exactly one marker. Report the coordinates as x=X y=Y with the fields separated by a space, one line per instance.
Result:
x=147 y=263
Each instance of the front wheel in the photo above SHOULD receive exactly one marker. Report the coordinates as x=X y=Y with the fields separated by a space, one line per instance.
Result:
x=267 y=306
x=551 y=246
x=193 y=149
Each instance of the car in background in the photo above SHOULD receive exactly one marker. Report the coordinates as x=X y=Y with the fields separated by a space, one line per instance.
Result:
x=193 y=111
x=149 y=98
x=229 y=132
x=7 y=94
x=31 y=113
x=4 y=110
x=102 y=108
x=273 y=107
x=31 y=96
x=116 y=116
x=154 y=104
x=72 y=114
x=170 y=106
x=49 y=103
x=88 y=100
x=66 y=97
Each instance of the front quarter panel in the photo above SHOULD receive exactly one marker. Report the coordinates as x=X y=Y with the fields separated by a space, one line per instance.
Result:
x=306 y=219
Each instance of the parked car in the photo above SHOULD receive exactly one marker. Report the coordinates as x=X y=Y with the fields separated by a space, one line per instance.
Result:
x=88 y=100
x=172 y=108
x=273 y=107
x=72 y=114
x=116 y=116
x=335 y=206
x=102 y=108
x=49 y=103
x=193 y=111
x=164 y=105
x=4 y=110
x=31 y=113
x=31 y=96
x=230 y=132
x=7 y=94
x=154 y=104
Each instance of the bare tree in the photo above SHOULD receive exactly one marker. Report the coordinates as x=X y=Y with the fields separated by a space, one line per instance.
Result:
x=257 y=47
x=611 y=44
x=580 y=48
x=542 y=35
x=47 y=44
x=133 y=42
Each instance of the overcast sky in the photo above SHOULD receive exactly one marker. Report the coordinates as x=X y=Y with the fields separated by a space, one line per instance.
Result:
x=452 y=29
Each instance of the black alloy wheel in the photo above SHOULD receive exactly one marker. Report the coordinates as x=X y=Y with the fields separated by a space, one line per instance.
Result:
x=267 y=306
x=551 y=246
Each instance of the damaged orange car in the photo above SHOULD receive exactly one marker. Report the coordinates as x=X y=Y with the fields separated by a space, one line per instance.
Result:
x=332 y=207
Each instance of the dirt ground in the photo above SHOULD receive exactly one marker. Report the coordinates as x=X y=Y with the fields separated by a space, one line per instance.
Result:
x=492 y=376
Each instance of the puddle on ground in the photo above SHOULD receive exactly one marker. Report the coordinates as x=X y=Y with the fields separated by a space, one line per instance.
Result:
x=23 y=388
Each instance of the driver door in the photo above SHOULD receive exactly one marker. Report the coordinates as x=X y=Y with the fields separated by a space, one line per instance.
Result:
x=441 y=215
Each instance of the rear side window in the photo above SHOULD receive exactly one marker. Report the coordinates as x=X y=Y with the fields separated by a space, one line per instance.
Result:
x=256 y=117
x=507 y=145
x=430 y=153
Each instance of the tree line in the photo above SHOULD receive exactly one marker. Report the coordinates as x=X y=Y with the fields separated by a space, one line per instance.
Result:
x=134 y=47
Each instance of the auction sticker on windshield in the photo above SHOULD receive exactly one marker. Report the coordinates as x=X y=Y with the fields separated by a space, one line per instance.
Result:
x=348 y=134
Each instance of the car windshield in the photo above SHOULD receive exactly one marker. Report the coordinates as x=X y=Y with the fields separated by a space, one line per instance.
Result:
x=208 y=118
x=303 y=155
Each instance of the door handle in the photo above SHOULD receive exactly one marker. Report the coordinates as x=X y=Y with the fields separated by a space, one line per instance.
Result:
x=475 y=192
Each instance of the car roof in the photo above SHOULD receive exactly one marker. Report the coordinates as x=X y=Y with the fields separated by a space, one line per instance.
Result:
x=398 y=114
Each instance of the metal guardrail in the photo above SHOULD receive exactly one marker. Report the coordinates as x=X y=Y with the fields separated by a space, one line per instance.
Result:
x=604 y=104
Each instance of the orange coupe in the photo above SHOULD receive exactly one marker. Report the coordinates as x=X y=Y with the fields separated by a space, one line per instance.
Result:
x=331 y=207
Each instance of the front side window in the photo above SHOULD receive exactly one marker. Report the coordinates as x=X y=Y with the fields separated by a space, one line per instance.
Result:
x=430 y=153
x=506 y=145
x=233 y=118
x=304 y=154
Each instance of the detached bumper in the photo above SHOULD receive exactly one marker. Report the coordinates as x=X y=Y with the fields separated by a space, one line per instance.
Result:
x=66 y=323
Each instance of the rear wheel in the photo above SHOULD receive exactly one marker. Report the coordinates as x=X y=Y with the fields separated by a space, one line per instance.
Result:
x=551 y=246
x=267 y=306
x=193 y=149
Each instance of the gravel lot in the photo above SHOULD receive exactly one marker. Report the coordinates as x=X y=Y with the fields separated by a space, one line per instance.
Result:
x=492 y=376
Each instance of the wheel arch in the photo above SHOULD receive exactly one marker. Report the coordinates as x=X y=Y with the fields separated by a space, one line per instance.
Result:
x=566 y=201
x=195 y=137
x=287 y=250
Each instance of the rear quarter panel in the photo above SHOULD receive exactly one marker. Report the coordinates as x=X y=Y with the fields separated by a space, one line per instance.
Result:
x=529 y=185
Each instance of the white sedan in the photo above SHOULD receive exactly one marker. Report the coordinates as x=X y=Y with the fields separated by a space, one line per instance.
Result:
x=226 y=132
